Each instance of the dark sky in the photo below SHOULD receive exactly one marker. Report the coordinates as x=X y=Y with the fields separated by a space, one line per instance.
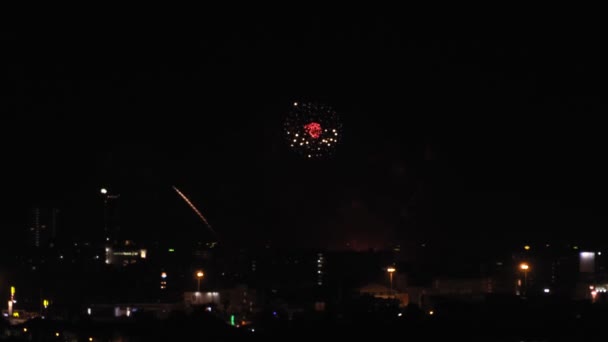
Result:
x=483 y=136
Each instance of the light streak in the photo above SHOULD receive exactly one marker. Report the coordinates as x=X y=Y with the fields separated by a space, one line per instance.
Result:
x=187 y=200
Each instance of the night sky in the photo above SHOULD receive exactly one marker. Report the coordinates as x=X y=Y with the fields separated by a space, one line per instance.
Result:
x=448 y=137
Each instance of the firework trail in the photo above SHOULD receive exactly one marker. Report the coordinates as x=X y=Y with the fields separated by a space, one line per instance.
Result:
x=195 y=209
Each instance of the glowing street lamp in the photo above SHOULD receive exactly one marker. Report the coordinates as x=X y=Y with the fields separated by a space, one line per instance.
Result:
x=104 y=193
x=525 y=267
x=199 y=276
x=390 y=271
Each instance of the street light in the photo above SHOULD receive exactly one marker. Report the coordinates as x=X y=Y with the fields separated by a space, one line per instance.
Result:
x=199 y=276
x=390 y=271
x=525 y=267
x=104 y=193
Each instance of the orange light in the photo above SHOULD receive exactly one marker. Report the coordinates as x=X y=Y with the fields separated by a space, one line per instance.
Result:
x=524 y=266
x=391 y=270
x=199 y=274
x=526 y=247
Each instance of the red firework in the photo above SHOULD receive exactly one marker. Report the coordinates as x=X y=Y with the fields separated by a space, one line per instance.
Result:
x=313 y=129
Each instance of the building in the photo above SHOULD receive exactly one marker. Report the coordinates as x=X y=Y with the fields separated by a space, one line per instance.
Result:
x=124 y=256
x=384 y=292
x=111 y=216
x=549 y=268
x=42 y=227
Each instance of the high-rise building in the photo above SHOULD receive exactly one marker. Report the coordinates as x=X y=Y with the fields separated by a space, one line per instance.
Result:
x=111 y=217
x=42 y=227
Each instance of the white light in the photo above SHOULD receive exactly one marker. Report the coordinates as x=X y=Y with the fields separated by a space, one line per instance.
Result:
x=587 y=255
x=547 y=290
x=295 y=104
x=400 y=314
x=104 y=191
x=89 y=311
x=599 y=253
